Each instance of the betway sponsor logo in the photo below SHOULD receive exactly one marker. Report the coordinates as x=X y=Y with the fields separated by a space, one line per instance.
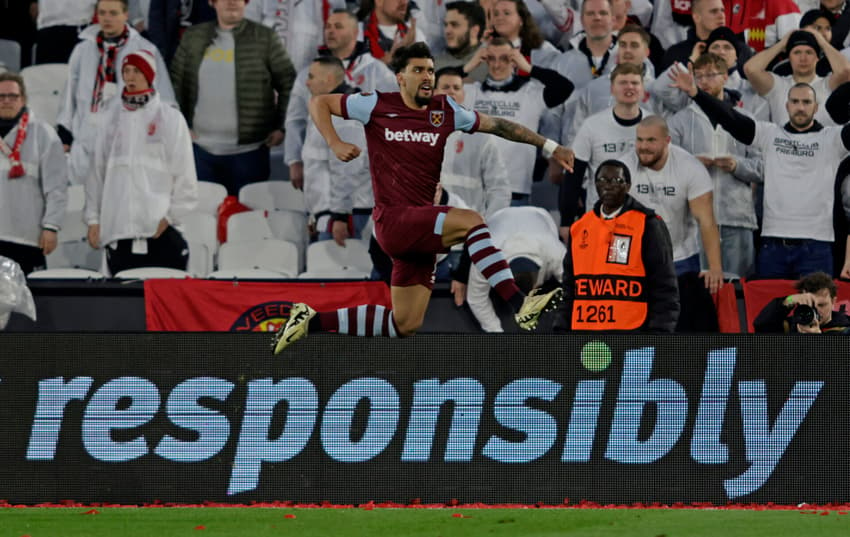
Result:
x=408 y=135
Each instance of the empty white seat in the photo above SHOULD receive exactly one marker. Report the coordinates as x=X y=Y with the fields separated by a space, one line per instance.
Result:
x=291 y=226
x=73 y=250
x=248 y=226
x=210 y=196
x=45 y=84
x=328 y=256
x=67 y=274
x=151 y=273
x=273 y=195
x=270 y=254
x=247 y=274
x=199 y=230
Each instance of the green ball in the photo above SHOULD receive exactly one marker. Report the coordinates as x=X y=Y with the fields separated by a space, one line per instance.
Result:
x=596 y=356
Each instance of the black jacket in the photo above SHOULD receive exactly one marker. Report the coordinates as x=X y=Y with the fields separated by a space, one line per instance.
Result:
x=662 y=286
x=775 y=318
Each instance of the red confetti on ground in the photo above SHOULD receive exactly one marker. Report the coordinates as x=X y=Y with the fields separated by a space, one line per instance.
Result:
x=200 y=527
x=289 y=516
x=457 y=515
x=416 y=503
x=91 y=512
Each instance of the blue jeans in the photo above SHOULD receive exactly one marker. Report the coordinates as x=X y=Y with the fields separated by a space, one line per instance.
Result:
x=791 y=259
x=232 y=171
x=688 y=264
x=737 y=251
x=520 y=200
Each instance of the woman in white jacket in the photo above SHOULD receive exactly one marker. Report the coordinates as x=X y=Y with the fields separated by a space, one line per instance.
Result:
x=144 y=177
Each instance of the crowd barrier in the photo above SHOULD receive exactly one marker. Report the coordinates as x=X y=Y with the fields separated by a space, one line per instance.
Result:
x=192 y=417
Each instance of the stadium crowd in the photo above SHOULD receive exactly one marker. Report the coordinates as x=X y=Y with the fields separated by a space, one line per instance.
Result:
x=722 y=118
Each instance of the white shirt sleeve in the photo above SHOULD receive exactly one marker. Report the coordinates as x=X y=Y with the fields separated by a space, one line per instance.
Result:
x=478 y=297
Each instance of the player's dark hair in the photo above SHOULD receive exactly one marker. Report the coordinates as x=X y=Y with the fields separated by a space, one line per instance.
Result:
x=125 y=3
x=403 y=55
x=627 y=175
x=472 y=12
x=814 y=282
x=452 y=70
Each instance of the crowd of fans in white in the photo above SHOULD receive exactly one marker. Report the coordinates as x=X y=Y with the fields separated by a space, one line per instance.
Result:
x=164 y=107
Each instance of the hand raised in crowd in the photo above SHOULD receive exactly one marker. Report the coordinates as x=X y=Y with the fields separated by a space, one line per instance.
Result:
x=345 y=151
x=47 y=241
x=339 y=230
x=683 y=79
x=275 y=138
x=401 y=41
x=519 y=61
x=477 y=59
x=713 y=280
x=296 y=175
x=699 y=49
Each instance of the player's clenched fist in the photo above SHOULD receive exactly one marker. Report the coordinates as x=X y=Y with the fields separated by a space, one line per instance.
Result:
x=345 y=151
x=564 y=156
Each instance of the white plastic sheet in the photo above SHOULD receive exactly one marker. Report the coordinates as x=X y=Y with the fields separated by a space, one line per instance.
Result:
x=15 y=296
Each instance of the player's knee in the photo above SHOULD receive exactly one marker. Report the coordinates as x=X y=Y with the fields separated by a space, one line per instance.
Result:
x=407 y=327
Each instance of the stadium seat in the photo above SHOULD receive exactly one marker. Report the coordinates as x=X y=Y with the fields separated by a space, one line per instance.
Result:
x=10 y=55
x=45 y=84
x=273 y=195
x=248 y=226
x=328 y=256
x=73 y=250
x=341 y=274
x=270 y=254
x=199 y=230
x=291 y=226
x=66 y=274
x=247 y=274
x=210 y=196
x=151 y=273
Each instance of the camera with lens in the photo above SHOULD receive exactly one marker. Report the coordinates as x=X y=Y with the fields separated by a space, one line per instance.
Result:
x=805 y=315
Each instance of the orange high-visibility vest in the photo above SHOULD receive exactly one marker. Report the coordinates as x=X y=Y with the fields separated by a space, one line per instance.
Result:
x=610 y=279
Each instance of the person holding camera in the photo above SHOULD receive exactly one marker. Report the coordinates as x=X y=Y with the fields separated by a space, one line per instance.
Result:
x=811 y=311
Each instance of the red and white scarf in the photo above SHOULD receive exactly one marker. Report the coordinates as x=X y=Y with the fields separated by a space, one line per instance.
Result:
x=14 y=154
x=106 y=69
x=378 y=43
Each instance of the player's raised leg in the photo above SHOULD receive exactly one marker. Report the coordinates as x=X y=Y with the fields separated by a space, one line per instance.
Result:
x=464 y=225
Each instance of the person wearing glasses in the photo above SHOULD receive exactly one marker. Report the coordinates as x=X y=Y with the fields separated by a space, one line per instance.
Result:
x=618 y=270
x=33 y=179
x=733 y=166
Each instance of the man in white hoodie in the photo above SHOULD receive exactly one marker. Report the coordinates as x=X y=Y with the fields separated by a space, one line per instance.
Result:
x=93 y=80
x=529 y=240
x=143 y=179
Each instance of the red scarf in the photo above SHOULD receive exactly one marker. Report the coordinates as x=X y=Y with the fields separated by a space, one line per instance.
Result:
x=106 y=73
x=14 y=154
x=378 y=44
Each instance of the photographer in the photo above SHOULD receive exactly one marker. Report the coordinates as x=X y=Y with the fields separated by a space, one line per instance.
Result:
x=808 y=312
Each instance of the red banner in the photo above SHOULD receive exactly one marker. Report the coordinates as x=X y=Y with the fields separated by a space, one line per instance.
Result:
x=220 y=306
x=758 y=293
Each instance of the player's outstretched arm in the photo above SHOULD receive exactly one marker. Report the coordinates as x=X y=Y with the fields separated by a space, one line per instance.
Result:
x=322 y=107
x=509 y=130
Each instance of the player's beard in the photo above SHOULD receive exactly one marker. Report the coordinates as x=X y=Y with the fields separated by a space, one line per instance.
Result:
x=422 y=101
x=649 y=159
